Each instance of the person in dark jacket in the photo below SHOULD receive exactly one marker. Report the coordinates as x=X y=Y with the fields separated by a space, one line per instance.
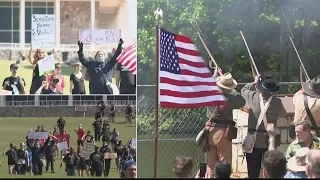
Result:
x=96 y=162
x=129 y=114
x=61 y=123
x=37 y=153
x=49 y=152
x=107 y=162
x=98 y=69
x=101 y=107
x=71 y=160
x=12 y=158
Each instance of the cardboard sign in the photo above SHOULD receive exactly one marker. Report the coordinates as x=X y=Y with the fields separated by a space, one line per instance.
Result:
x=46 y=64
x=99 y=36
x=110 y=155
x=63 y=138
x=88 y=150
x=42 y=31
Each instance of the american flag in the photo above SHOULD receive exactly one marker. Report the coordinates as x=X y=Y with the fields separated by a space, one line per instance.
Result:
x=128 y=58
x=185 y=80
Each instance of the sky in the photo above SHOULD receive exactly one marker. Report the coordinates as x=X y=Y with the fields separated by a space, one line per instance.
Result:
x=132 y=17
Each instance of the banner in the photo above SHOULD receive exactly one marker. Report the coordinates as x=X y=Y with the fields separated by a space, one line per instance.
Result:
x=62 y=145
x=88 y=150
x=38 y=135
x=46 y=64
x=42 y=31
x=99 y=36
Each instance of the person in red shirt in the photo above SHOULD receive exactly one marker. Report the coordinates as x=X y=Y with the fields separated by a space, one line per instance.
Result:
x=81 y=133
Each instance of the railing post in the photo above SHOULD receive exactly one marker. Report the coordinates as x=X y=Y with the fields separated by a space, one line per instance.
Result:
x=70 y=100
x=36 y=100
x=2 y=101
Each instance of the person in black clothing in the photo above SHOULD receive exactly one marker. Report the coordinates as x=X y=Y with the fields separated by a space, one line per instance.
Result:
x=52 y=87
x=12 y=158
x=119 y=149
x=22 y=160
x=43 y=129
x=107 y=162
x=125 y=80
x=129 y=113
x=61 y=123
x=36 y=78
x=97 y=129
x=106 y=133
x=96 y=162
x=112 y=112
x=71 y=160
x=101 y=107
x=49 y=152
x=82 y=166
x=98 y=69
x=38 y=129
x=77 y=81
x=89 y=138
x=37 y=154
x=14 y=83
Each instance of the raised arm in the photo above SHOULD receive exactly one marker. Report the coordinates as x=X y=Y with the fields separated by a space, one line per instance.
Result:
x=113 y=60
x=82 y=59
x=29 y=56
x=38 y=92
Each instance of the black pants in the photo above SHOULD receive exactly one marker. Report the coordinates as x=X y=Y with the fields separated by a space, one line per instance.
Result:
x=21 y=169
x=254 y=162
x=107 y=167
x=50 y=162
x=97 y=171
x=37 y=168
x=97 y=136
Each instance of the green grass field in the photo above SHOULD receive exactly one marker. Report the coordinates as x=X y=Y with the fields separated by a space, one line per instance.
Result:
x=25 y=71
x=167 y=152
x=13 y=129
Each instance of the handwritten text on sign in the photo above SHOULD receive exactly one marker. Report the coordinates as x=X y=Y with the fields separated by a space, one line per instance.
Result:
x=42 y=31
x=88 y=150
x=99 y=36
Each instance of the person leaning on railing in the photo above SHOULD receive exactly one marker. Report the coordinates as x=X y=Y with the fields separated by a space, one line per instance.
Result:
x=36 y=78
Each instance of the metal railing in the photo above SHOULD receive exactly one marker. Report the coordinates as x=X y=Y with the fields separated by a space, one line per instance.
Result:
x=65 y=100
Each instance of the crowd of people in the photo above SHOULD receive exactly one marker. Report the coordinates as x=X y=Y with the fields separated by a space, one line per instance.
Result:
x=99 y=73
x=33 y=156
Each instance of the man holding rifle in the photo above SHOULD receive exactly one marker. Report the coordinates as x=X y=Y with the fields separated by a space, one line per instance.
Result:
x=222 y=128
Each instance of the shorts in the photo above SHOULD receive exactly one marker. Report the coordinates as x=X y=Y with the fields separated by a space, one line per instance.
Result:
x=11 y=168
x=83 y=167
x=79 y=142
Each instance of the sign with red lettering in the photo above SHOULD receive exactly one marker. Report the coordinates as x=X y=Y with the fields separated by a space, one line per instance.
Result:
x=99 y=36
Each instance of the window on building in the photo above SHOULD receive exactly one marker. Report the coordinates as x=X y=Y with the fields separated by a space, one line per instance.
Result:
x=9 y=18
x=35 y=8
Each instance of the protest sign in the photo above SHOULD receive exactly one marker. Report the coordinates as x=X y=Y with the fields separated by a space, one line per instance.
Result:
x=38 y=135
x=42 y=31
x=88 y=150
x=99 y=36
x=46 y=64
x=62 y=145
x=110 y=155
x=134 y=143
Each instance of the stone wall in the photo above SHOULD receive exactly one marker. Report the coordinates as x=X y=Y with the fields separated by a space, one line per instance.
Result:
x=54 y=111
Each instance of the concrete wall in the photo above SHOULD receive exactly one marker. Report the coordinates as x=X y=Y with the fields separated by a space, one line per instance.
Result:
x=54 y=111
x=242 y=124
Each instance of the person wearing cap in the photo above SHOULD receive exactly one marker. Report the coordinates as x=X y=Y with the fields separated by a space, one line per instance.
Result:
x=304 y=138
x=264 y=88
x=77 y=81
x=12 y=156
x=96 y=162
x=98 y=69
x=37 y=80
x=57 y=74
x=129 y=170
x=14 y=83
x=311 y=91
x=296 y=165
x=80 y=134
x=22 y=163
x=107 y=162
x=52 y=89
x=220 y=146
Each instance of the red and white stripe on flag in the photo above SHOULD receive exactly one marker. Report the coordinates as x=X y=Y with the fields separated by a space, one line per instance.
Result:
x=185 y=80
x=128 y=58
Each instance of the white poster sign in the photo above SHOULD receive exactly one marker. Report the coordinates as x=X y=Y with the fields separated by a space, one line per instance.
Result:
x=46 y=64
x=38 y=135
x=134 y=143
x=62 y=145
x=88 y=150
x=42 y=31
x=99 y=36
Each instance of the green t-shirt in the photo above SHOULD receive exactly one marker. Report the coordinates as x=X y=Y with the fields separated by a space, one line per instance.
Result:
x=295 y=145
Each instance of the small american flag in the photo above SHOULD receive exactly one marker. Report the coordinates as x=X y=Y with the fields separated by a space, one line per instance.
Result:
x=185 y=80
x=128 y=58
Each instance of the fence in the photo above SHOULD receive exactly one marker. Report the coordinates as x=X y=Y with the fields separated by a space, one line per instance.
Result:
x=64 y=100
x=177 y=131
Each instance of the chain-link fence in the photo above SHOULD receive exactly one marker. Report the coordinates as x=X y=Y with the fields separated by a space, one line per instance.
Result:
x=177 y=131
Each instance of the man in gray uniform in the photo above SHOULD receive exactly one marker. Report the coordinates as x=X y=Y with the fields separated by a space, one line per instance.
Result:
x=251 y=93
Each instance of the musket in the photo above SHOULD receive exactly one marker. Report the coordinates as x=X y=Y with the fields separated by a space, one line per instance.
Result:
x=214 y=62
x=304 y=69
x=251 y=58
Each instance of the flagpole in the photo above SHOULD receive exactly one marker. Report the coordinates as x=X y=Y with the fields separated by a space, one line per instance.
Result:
x=158 y=15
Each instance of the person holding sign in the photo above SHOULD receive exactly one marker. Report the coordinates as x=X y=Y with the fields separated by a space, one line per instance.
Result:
x=36 y=78
x=14 y=83
x=98 y=69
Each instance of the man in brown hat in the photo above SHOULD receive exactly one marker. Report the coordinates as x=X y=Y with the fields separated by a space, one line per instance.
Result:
x=253 y=93
x=222 y=127
x=309 y=95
